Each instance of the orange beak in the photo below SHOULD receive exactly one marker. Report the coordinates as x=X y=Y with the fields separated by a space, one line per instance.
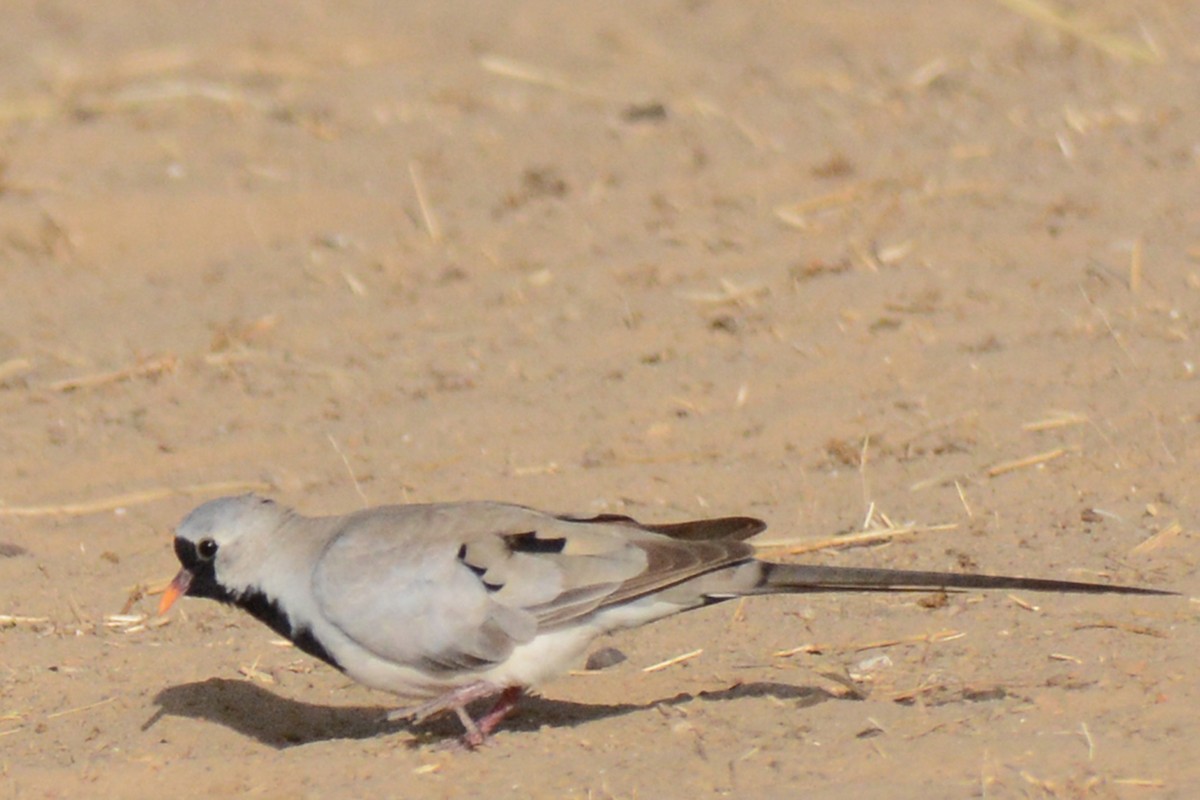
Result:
x=177 y=589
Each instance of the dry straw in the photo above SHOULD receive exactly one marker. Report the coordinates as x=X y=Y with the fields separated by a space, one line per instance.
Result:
x=114 y=502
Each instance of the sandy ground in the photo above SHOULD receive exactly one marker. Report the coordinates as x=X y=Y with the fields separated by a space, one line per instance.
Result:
x=835 y=265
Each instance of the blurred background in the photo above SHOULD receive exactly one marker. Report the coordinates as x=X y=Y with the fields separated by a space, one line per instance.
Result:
x=920 y=266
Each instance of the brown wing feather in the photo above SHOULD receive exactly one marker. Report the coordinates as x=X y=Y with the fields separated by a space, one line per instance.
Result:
x=674 y=553
x=724 y=529
x=736 y=528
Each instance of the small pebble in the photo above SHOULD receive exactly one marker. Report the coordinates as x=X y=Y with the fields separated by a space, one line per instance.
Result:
x=604 y=658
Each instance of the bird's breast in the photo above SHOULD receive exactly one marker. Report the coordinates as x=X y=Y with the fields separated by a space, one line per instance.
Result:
x=270 y=612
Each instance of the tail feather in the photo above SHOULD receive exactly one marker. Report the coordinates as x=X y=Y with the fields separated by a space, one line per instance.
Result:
x=820 y=578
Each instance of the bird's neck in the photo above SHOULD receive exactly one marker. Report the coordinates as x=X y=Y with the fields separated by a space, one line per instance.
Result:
x=267 y=609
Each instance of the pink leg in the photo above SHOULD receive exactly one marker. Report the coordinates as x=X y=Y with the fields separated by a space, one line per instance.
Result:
x=450 y=701
x=476 y=733
x=488 y=722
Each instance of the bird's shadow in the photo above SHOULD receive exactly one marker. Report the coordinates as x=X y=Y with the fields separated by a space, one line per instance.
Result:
x=281 y=723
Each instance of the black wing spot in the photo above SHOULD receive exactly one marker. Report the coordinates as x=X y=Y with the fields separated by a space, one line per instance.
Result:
x=530 y=543
x=462 y=556
x=479 y=571
x=601 y=519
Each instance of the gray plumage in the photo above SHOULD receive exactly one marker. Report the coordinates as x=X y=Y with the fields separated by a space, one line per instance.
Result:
x=465 y=600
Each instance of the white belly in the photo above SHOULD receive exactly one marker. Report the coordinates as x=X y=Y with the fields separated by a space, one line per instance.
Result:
x=548 y=655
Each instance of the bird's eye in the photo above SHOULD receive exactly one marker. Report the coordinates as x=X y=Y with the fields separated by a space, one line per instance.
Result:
x=207 y=548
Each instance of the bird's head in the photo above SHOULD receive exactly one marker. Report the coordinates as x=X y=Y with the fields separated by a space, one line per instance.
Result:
x=217 y=545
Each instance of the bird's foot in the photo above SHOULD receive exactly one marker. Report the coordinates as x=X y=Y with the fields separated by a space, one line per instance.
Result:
x=450 y=701
x=483 y=727
x=476 y=731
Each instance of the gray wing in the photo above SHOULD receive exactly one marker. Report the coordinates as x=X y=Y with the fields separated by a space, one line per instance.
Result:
x=444 y=587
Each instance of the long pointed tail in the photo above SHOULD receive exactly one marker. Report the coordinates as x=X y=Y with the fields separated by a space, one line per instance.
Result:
x=820 y=578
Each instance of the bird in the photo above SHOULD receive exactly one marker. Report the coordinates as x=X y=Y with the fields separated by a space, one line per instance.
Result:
x=452 y=603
